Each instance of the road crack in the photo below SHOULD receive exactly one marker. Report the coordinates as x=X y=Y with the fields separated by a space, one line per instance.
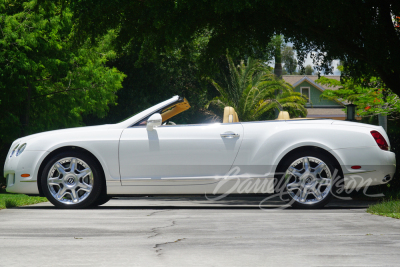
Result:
x=158 y=211
x=158 y=249
x=155 y=229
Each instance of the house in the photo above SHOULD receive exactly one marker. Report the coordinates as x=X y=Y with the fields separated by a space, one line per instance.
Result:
x=317 y=107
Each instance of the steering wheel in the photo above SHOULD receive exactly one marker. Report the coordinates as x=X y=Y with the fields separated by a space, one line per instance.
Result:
x=169 y=123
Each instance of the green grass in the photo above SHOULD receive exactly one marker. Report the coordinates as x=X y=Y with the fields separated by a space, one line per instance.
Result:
x=389 y=206
x=17 y=200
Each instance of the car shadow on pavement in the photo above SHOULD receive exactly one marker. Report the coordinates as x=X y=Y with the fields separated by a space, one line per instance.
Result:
x=178 y=203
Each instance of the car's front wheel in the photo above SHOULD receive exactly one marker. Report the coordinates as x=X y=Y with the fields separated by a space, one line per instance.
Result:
x=72 y=179
x=101 y=200
x=308 y=180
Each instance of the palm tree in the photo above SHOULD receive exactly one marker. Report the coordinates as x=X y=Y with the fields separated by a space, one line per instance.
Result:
x=251 y=90
x=278 y=44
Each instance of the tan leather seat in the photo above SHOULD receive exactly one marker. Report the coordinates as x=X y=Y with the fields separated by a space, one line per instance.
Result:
x=230 y=115
x=283 y=115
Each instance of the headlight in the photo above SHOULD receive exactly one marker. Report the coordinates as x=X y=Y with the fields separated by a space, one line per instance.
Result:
x=21 y=149
x=15 y=148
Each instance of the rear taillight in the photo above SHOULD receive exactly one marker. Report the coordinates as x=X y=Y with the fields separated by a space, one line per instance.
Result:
x=380 y=140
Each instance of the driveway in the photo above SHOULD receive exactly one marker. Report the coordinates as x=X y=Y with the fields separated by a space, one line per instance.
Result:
x=185 y=231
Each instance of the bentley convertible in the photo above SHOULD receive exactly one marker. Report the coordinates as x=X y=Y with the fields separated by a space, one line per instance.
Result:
x=304 y=159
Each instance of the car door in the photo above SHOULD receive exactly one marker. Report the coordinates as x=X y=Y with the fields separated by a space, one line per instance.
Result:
x=178 y=155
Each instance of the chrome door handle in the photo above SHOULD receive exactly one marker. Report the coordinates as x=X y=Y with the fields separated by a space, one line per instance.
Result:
x=230 y=135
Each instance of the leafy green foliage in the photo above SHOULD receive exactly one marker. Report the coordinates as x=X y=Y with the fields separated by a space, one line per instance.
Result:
x=289 y=60
x=371 y=97
x=46 y=82
x=251 y=90
x=308 y=70
x=362 y=34
x=176 y=72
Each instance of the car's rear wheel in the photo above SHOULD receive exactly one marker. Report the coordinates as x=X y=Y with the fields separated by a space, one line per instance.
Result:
x=72 y=179
x=308 y=180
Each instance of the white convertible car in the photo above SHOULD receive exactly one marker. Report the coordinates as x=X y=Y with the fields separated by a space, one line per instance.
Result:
x=306 y=159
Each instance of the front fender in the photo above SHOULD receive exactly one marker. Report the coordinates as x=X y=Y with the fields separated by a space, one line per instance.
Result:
x=101 y=142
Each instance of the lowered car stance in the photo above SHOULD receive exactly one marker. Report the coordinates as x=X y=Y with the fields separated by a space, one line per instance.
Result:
x=306 y=160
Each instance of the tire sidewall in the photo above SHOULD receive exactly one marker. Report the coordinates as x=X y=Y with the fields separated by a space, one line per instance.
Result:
x=101 y=200
x=281 y=188
x=98 y=177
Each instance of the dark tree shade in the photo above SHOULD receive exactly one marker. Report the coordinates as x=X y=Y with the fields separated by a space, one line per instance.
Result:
x=361 y=33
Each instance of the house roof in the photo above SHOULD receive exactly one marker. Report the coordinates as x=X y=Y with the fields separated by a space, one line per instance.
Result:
x=296 y=79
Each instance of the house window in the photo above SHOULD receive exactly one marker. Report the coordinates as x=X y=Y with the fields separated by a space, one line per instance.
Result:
x=306 y=92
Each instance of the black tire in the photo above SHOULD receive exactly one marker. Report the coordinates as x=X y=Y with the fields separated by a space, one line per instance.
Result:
x=292 y=159
x=84 y=199
x=101 y=200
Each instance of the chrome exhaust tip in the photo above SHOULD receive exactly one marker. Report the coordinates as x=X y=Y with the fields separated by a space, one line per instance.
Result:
x=386 y=179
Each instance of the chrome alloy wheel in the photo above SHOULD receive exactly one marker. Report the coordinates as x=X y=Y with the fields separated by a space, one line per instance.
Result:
x=70 y=180
x=308 y=180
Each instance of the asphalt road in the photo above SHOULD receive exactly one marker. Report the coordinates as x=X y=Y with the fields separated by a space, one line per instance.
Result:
x=179 y=231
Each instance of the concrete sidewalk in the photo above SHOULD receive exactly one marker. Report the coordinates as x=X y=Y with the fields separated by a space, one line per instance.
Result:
x=186 y=231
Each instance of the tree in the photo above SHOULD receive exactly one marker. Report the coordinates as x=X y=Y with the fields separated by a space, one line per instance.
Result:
x=371 y=100
x=309 y=70
x=175 y=72
x=277 y=44
x=45 y=82
x=289 y=60
x=250 y=89
x=362 y=34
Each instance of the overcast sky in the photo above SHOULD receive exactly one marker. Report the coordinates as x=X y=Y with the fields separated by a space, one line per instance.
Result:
x=310 y=62
x=334 y=64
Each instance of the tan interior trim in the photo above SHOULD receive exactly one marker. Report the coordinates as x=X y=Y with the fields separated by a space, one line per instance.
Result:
x=230 y=115
x=174 y=110
x=283 y=115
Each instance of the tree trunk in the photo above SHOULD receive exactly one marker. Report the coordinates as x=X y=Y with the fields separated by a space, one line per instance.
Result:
x=278 y=62
x=278 y=71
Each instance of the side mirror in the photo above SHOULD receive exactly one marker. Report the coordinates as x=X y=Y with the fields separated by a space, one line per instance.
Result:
x=154 y=121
